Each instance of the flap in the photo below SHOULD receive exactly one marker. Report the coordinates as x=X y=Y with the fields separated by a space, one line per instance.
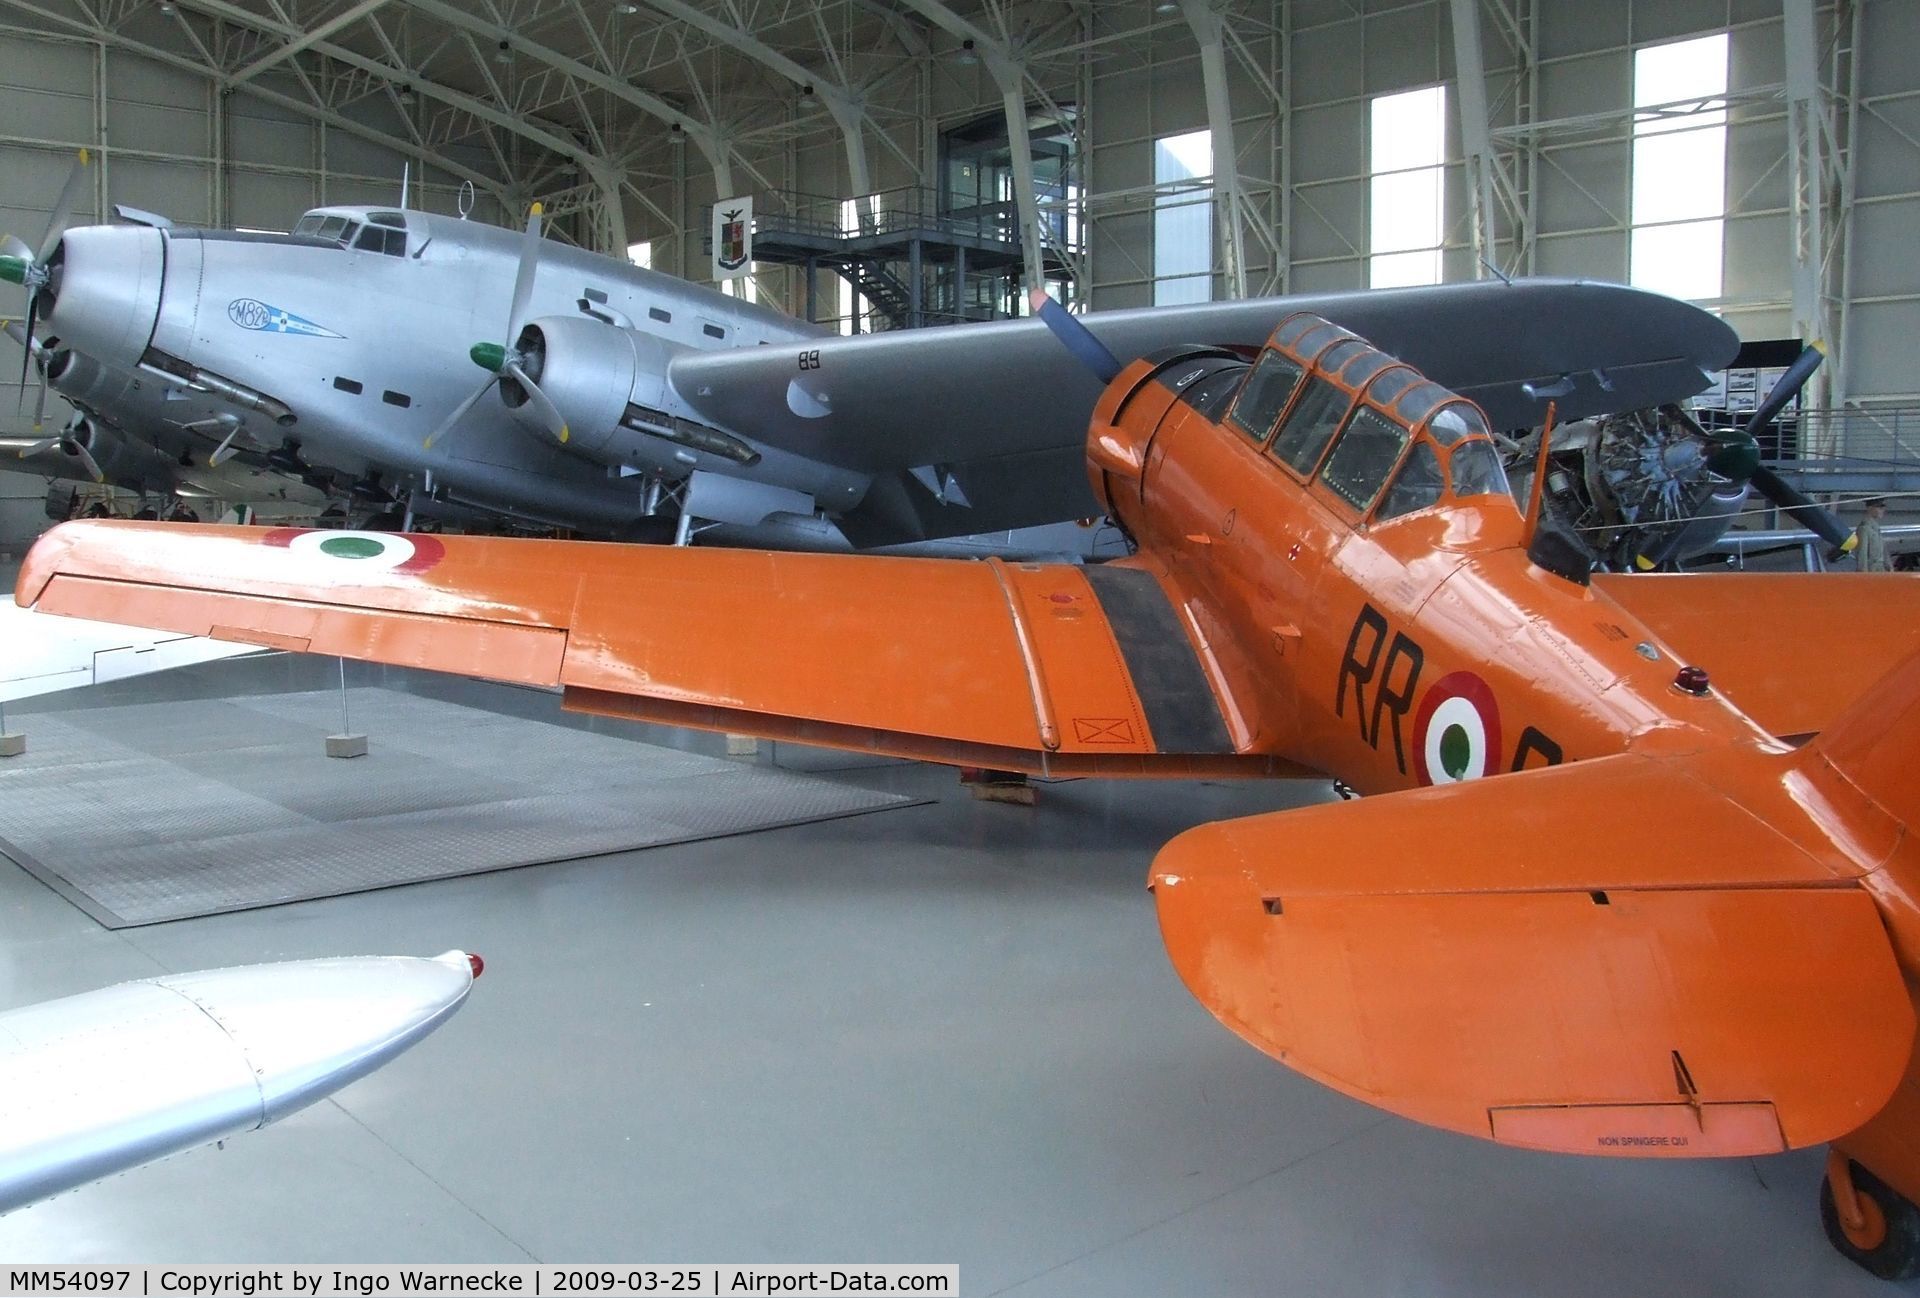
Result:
x=1027 y=666
x=1792 y=650
x=1724 y=1016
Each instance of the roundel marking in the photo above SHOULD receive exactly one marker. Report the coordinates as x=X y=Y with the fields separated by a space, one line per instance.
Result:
x=1456 y=732
x=368 y=551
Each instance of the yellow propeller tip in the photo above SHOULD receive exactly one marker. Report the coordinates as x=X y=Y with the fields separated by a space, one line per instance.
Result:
x=538 y=209
x=563 y=433
x=85 y=157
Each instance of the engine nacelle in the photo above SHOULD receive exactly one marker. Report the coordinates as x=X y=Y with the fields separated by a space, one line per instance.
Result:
x=123 y=461
x=610 y=385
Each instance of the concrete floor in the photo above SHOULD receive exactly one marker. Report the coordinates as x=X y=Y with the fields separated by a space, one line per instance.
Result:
x=940 y=1034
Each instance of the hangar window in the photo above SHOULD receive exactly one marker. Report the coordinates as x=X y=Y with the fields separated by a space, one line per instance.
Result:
x=1183 y=218
x=1406 y=195
x=1368 y=447
x=641 y=254
x=1680 y=167
x=1273 y=380
x=1310 y=425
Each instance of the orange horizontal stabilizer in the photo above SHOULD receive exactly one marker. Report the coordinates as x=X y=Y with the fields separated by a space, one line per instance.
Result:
x=1023 y=666
x=1706 y=1018
x=1792 y=650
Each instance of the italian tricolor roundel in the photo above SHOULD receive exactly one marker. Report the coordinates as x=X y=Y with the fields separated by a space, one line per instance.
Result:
x=364 y=551
x=1456 y=732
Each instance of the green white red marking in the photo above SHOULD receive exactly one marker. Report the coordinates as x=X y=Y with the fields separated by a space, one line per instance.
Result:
x=364 y=551
x=1456 y=732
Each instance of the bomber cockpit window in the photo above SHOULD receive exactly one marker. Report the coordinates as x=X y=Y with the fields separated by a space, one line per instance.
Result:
x=1476 y=469
x=374 y=238
x=1369 y=446
x=332 y=227
x=1417 y=485
x=396 y=220
x=309 y=225
x=1265 y=395
x=1311 y=425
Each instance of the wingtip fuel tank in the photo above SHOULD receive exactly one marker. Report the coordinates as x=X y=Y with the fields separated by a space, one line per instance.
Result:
x=107 y=1080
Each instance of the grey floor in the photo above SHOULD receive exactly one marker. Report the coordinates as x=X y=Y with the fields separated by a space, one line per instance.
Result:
x=939 y=1034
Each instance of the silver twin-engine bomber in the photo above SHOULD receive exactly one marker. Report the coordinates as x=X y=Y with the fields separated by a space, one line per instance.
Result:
x=407 y=361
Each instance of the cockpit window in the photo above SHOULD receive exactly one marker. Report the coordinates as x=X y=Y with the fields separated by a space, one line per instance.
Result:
x=309 y=225
x=1417 y=485
x=396 y=220
x=374 y=238
x=1363 y=457
x=1476 y=470
x=1308 y=429
x=1265 y=395
x=1458 y=420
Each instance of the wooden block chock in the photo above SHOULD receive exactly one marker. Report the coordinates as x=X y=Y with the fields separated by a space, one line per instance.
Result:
x=997 y=786
x=742 y=746
x=346 y=745
x=12 y=745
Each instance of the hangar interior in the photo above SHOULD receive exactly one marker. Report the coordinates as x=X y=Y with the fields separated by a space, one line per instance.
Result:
x=946 y=1031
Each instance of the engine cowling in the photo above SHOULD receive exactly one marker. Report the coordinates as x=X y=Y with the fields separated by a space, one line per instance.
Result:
x=610 y=385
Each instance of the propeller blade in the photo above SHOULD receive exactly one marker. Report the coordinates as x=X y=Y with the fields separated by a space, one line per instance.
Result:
x=1074 y=336
x=1809 y=513
x=226 y=450
x=40 y=403
x=523 y=278
x=13 y=246
x=459 y=412
x=26 y=346
x=543 y=409
x=86 y=458
x=63 y=208
x=1788 y=387
x=40 y=447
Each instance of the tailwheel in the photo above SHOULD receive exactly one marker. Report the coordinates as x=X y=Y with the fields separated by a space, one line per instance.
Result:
x=1882 y=1232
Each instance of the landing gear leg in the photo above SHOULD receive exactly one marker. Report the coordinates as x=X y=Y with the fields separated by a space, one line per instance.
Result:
x=1870 y=1223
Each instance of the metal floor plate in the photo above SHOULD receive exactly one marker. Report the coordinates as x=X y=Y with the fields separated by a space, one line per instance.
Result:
x=165 y=811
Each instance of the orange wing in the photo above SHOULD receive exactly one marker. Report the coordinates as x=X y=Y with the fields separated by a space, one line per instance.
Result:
x=1791 y=649
x=1604 y=958
x=1043 y=668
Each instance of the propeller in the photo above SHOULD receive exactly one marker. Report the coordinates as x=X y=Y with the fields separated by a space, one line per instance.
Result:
x=71 y=441
x=221 y=423
x=1736 y=455
x=20 y=264
x=1074 y=336
x=36 y=351
x=506 y=362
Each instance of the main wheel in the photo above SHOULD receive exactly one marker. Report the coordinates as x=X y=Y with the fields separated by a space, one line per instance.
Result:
x=1888 y=1241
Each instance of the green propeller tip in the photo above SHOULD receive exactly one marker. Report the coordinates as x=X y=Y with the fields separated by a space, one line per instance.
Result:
x=14 y=269
x=488 y=356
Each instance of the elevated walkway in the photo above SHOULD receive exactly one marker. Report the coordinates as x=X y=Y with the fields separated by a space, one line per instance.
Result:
x=916 y=259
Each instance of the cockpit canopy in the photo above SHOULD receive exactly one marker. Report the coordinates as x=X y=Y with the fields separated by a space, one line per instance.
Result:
x=1373 y=431
x=376 y=231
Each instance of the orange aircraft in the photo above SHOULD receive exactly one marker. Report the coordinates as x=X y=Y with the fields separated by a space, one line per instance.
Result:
x=1682 y=923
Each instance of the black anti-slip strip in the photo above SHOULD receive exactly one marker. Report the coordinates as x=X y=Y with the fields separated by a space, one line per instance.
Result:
x=1181 y=709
